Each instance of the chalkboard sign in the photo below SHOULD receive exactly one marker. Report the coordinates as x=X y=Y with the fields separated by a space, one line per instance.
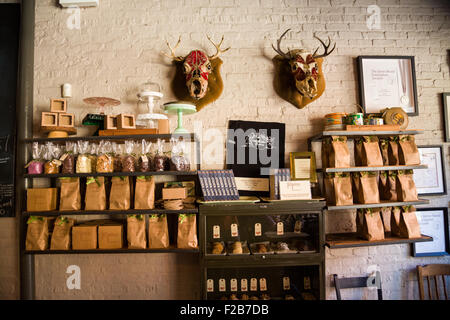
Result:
x=9 y=50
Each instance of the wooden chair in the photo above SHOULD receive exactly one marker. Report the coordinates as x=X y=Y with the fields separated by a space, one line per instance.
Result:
x=358 y=282
x=438 y=271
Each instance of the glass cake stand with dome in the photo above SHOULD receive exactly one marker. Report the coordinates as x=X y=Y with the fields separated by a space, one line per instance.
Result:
x=149 y=94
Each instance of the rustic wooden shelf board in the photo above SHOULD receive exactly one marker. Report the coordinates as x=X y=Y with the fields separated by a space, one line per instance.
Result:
x=113 y=174
x=351 y=134
x=383 y=168
x=379 y=205
x=112 y=251
x=188 y=136
x=351 y=240
x=106 y=212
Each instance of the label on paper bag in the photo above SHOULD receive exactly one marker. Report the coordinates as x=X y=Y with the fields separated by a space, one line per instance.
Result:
x=258 y=230
x=306 y=283
x=222 y=285
x=280 y=228
x=253 y=284
x=244 y=285
x=262 y=284
x=210 y=285
x=216 y=232
x=233 y=285
x=286 y=283
x=234 y=230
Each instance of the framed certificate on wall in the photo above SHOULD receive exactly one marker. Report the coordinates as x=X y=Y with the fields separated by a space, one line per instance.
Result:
x=387 y=82
x=432 y=180
x=434 y=223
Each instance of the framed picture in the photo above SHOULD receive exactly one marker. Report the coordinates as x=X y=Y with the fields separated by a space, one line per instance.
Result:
x=303 y=166
x=446 y=102
x=431 y=181
x=434 y=223
x=386 y=82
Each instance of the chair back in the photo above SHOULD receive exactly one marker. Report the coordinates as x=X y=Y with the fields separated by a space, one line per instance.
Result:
x=436 y=273
x=358 y=282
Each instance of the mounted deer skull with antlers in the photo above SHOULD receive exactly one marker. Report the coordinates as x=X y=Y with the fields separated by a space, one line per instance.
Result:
x=199 y=70
x=299 y=77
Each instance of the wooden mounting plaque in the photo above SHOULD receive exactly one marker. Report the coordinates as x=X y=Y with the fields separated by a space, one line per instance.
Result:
x=125 y=132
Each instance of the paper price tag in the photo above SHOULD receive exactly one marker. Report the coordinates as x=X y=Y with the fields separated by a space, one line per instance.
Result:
x=216 y=232
x=144 y=158
x=298 y=226
x=233 y=285
x=63 y=157
x=306 y=283
x=258 y=232
x=222 y=285
x=280 y=228
x=244 y=285
x=286 y=283
x=234 y=230
x=210 y=285
x=262 y=284
x=253 y=284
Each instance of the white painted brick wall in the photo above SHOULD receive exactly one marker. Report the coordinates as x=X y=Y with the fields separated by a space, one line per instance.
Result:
x=118 y=47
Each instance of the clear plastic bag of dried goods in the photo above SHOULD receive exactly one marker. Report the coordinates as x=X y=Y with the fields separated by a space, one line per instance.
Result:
x=178 y=160
x=51 y=155
x=129 y=158
x=93 y=154
x=68 y=158
x=36 y=165
x=160 y=157
x=105 y=158
x=83 y=161
x=144 y=162
x=117 y=151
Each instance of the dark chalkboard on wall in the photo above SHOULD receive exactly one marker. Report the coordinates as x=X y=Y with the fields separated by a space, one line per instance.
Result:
x=9 y=49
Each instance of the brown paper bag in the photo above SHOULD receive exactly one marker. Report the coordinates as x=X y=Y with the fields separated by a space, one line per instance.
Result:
x=408 y=153
x=158 y=233
x=325 y=152
x=343 y=189
x=61 y=234
x=384 y=148
x=368 y=154
x=187 y=231
x=391 y=190
x=409 y=225
x=144 y=195
x=372 y=228
x=136 y=235
x=328 y=183
x=37 y=233
x=70 y=198
x=395 y=221
x=95 y=198
x=366 y=187
x=339 y=156
x=119 y=198
x=406 y=188
x=383 y=184
x=359 y=222
x=386 y=217
x=393 y=151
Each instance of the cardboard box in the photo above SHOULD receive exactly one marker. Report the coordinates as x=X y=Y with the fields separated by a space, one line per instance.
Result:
x=84 y=237
x=66 y=120
x=126 y=121
x=163 y=126
x=110 y=122
x=174 y=193
x=58 y=105
x=49 y=119
x=42 y=199
x=110 y=236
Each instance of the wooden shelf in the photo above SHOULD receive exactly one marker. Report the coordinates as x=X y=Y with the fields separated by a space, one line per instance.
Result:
x=351 y=240
x=383 y=168
x=111 y=251
x=113 y=174
x=107 y=212
x=352 y=134
x=187 y=136
x=379 y=205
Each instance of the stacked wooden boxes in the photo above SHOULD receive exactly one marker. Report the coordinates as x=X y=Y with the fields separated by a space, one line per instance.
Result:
x=58 y=116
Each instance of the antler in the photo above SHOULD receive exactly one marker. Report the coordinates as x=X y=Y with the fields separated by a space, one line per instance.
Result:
x=219 y=51
x=279 y=51
x=173 y=56
x=325 y=46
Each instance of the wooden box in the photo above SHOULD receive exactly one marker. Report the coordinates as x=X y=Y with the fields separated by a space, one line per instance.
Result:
x=163 y=126
x=84 y=237
x=66 y=120
x=41 y=199
x=174 y=193
x=49 y=119
x=110 y=236
x=58 y=105
x=126 y=121
x=110 y=122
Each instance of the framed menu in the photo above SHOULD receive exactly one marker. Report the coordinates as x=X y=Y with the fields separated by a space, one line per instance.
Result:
x=387 y=82
x=434 y=223
x=431 y=181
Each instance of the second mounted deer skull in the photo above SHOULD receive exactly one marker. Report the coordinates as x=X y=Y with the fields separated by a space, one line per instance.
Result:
x=298 y=73
x=197 y=77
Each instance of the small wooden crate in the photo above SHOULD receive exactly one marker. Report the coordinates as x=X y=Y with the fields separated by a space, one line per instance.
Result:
x=66 y=120
x=110 y=122
x=126 y=121
x=58 y=105
x=49 y=119
x=163 y=126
